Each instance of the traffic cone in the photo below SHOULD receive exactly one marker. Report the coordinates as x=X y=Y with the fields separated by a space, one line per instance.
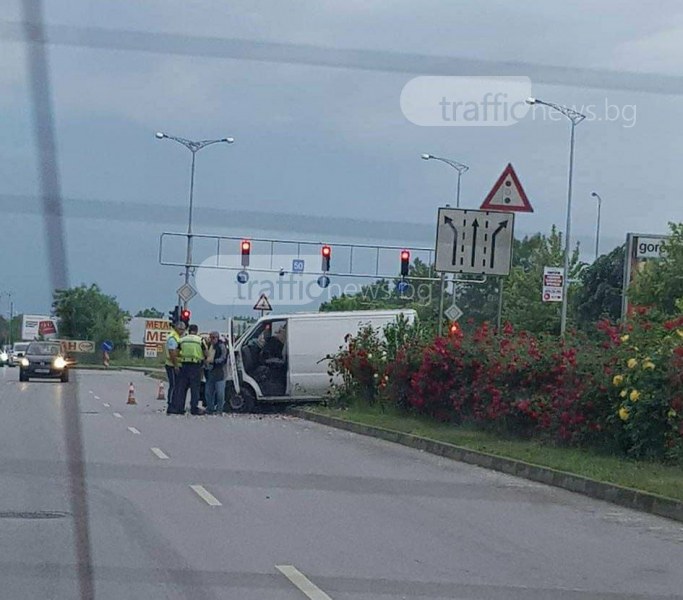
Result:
x=161 y=394
x=131 y=394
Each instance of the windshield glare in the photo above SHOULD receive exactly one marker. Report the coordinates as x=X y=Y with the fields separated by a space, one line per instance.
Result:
x=44 y=349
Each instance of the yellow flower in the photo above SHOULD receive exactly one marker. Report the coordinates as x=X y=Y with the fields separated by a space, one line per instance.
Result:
x=632 y=362
x=634 y=395
x=624 y=413
x=671 y=414
x=618 y=380
x=623 y=393
x=624 y=338
x=648 y=364
x=679 y=332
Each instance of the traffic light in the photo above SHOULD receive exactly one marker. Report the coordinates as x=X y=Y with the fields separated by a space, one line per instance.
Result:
x=245 y=248
x=326 y=252
x=454 y=328
x=174 y=315
x=185 y=316
x=405 y=262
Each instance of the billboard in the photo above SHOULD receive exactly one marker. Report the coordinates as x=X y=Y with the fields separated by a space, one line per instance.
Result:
x=640 y=248
x=35 y=327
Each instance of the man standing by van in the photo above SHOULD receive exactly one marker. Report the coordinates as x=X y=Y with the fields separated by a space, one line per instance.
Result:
x=191 y=354
x=172 y=362
x=216 y=360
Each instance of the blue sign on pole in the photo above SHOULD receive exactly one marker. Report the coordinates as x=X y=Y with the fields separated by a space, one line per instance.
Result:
x=107 y=346
x=298 y=265
x=323 y=281
x=242 y=277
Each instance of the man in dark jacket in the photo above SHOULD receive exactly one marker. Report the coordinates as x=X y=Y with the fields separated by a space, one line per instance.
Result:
x=217 y=356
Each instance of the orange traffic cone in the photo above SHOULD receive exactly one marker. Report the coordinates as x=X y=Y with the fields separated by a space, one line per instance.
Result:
x=161 y=395
x=131 y=394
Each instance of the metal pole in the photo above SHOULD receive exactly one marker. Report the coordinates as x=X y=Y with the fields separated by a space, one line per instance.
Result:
x=597 y=233
x=457 y=199
x=499 y=320
x=443 y=287
x=188 y=259
x=567 y=241
x=11 y=316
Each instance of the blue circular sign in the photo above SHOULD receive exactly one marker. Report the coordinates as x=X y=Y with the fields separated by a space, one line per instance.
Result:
x=323 y=281
x=242 y=277
x=107 y=346
x=402 y=286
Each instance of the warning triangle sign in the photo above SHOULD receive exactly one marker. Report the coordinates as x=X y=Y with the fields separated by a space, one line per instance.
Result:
x=263 y=303
x=507 y=194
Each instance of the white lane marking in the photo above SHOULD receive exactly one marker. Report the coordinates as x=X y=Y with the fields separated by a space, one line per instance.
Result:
x=159 y=453
x=118 y=415
x=201 y=491
x=106 y=404
x=90 y=392
x=133 y=430
x=302 y=582
x=97 y=397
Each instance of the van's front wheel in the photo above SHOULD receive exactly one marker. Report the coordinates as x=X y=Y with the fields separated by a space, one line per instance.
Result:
x=244 y=402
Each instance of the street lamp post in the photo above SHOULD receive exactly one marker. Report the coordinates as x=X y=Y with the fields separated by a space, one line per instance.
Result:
x=575 y=118
x=193 y=147
x=460 y=168
x=597 y=228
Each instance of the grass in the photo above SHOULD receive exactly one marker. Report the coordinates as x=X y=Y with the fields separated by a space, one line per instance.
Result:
x=656 y=478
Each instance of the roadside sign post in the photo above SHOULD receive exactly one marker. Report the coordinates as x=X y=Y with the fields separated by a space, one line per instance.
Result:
x=553 y=284
x=263 y=304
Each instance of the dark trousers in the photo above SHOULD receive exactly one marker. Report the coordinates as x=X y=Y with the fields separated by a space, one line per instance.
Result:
x=170 y=375
x=190 y=377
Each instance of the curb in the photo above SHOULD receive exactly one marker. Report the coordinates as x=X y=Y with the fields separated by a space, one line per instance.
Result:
x=609 y=492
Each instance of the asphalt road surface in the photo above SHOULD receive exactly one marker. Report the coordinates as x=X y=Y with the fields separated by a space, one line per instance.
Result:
x=271 y=507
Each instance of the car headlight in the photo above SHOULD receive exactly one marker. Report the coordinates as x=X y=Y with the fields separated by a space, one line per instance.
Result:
x=23 y=362
x=59 y=363
x=4 y=357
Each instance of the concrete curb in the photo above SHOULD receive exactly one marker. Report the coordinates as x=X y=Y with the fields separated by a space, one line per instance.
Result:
x=623 y=496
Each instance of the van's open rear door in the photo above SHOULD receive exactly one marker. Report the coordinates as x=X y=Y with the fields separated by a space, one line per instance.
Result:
x=233 y=358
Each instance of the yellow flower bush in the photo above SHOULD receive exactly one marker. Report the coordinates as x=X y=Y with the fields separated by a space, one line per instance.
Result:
x=623 y=393
x=625 y=338
x=617 y=380
x=648 y=364
x=624 y=413
x=632 y=363
x=634 y=395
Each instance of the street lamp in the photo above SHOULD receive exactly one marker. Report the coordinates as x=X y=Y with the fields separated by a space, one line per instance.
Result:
x=458 y=166
x=193 y=147
x=575 y=118
x=597 y=231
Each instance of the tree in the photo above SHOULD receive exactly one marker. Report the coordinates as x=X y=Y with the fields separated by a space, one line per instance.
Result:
x=150 y=313
x=523 y=305
x=5 y=329
x=88 y=314
x=660 y=284
x=600 y=293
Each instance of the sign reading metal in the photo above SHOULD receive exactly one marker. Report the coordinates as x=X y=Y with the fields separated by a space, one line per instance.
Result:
x=507 y=194
x=474 y=241
x=553 y=282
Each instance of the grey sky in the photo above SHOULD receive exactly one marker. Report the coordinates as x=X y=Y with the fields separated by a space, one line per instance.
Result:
x=326 y=144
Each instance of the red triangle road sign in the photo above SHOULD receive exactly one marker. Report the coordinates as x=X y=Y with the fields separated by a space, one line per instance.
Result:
x=507 y=194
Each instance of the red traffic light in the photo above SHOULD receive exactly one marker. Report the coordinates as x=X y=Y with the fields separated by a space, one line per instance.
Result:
x=454 y=328
x=245 y=247
x=405 y=262
x=185 y=315
x=326 y=251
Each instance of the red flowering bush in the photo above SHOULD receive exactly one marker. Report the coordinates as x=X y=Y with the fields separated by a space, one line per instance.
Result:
x=623 y=391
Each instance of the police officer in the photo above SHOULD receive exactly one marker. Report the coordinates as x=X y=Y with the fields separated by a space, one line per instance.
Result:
x=191 y=355
x=172 y=362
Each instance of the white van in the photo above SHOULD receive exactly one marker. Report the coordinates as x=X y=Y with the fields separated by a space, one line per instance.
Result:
x=283 y=358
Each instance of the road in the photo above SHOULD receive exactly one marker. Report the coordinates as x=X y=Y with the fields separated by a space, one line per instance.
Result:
x=270 y=507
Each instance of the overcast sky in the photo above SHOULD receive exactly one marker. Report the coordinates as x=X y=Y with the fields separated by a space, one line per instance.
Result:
x=326 y=153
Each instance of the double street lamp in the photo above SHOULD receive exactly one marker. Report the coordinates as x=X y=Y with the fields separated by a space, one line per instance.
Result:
x=193 y=147
x=575 y=117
